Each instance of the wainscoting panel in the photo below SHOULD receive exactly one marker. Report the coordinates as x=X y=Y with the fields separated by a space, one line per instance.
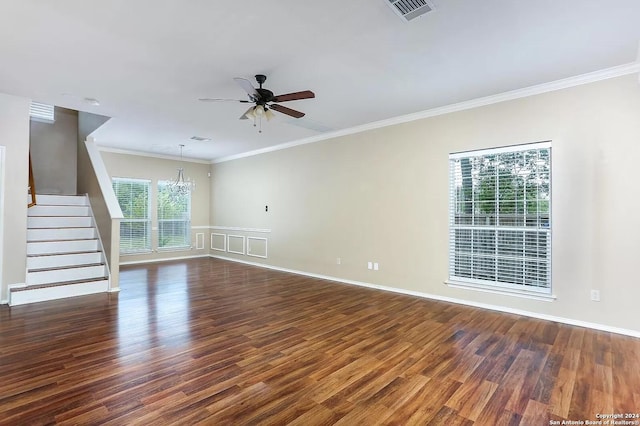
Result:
x=257 y=247
x=218 y=241
x=235 y=244
x=200 y=241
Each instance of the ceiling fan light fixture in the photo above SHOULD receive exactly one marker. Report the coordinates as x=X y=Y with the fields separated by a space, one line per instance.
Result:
x=250 y=114
x=268 y=114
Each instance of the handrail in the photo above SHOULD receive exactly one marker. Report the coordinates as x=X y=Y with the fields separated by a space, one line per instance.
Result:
x=32 y=185
x=103 y=179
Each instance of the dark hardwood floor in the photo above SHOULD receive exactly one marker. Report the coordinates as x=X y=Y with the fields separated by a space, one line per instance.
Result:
x=213 y=342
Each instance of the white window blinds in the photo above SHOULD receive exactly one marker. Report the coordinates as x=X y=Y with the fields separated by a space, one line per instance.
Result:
x=174 y=217
x=500 y=217
x=135 y=228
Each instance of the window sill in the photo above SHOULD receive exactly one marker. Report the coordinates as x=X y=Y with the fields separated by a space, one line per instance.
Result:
x=170 y=249
x=503 y=291
x=135 y=253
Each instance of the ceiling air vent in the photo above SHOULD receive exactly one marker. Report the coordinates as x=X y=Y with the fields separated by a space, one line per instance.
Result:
x=42 y=112
x=410 y=9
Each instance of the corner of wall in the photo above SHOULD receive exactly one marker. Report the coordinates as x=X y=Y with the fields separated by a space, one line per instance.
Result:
x=14 y=136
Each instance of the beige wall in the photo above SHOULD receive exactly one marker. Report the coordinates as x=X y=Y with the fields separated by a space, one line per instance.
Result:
x=54 y=152
x=382 y=196
x=155 y=169
x=14 y=136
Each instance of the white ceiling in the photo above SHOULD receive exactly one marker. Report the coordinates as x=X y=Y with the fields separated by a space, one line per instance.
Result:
x=148 y=61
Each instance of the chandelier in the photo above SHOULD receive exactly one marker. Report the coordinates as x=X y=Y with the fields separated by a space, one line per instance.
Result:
x=181 y=185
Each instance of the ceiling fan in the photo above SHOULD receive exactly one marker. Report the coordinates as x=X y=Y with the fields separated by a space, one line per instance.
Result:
x=265 y=100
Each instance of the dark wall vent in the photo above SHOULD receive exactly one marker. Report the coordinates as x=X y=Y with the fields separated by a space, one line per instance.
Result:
x=410 y=9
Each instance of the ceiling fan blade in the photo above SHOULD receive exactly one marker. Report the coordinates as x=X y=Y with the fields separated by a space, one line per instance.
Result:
x=245 y=116
x=248 y=87
x=284 y=110
x=221 y=100
x=306 y=94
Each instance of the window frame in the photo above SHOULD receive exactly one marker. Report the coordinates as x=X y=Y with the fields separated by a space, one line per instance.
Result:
x=543 y=227
x=147 y=220
x=187 y=241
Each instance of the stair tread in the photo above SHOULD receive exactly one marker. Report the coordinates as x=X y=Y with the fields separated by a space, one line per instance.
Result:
x=54 y=253
x=60 y=205
x=65 y=216
x=63 y=253
x=63 y=240
x=71 y=216
x=60 y=268
x=67 y=227
x=58 y=284
x=35 y=228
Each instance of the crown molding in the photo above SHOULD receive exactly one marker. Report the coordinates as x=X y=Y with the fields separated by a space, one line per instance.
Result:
x=146 y=154
x=592 y=77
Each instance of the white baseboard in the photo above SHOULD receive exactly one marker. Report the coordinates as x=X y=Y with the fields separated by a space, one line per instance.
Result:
x=4 y=302
x=44 y=294
x=166 y=259
x=114 y=290
x=563 y=320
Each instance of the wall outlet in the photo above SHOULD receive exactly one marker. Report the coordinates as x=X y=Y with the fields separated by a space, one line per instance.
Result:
x=595 y=295
x=369 y=265
x=338 y=261
x=375 y=266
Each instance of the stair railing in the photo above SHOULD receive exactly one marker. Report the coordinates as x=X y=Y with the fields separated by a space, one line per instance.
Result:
x=32 y=185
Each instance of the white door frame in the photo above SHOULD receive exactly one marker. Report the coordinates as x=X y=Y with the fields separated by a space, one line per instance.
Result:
x=2 y=172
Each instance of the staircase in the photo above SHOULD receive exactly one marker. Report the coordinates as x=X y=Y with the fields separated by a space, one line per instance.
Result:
x=64 y=253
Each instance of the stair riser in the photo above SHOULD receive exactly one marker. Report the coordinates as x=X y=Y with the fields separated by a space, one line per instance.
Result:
x=60 y=234
x=55 y=247
x=62 y=275
x=57 y=261
x=58 y=292
x=41 y=210
x=58 y=222
x=62 y=200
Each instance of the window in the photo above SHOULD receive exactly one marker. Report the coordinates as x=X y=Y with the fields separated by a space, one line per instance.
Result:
x=135 y=228
x=174 y=217
x=500 y=218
